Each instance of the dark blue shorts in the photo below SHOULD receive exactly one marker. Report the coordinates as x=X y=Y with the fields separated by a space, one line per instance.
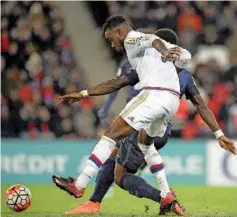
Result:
x=130 y=155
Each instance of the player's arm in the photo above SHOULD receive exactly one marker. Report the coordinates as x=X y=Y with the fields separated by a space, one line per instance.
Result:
x=171 y=52
x=139 y=41
x=208 y=117
x=205 y=113
x=184 y=58
x=103 y=88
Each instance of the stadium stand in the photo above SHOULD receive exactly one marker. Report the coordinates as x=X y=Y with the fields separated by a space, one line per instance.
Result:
x=37 y=65
x=207 y=30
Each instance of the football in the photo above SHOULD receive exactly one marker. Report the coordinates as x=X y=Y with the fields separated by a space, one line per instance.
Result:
x=18 y=198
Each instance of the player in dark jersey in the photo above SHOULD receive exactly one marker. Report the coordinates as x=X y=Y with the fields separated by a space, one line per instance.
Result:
x=130 y=157
x=124 y=68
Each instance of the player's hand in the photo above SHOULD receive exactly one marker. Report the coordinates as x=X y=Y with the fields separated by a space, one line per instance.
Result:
x=71 y=98
x=227 y=144
x=173 y=54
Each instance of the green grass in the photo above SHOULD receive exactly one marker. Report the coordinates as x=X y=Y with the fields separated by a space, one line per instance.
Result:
x=198 y=201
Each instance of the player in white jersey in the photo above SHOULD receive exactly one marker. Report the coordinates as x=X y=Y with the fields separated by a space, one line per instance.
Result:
x=149 y=113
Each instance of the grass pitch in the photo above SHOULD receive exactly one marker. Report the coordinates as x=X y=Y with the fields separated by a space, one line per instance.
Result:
x=49 y=201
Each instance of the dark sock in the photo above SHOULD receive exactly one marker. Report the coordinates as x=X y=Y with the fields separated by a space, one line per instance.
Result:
x=138 y=187
x=104 y=180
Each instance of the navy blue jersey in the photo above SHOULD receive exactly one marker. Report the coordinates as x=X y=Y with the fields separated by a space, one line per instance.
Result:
x=124 y=69
x=187 y=84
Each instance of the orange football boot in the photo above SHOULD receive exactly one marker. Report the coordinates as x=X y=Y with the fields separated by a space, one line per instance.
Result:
x=170 y=203
x=89 y=207
x=68 y=185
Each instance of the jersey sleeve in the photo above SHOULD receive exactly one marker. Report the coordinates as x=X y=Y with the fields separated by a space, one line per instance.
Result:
x=191 y=89
x=132 y=77
x=123 y=69
x=185 y=56
x=136 y=42
x=184 y=59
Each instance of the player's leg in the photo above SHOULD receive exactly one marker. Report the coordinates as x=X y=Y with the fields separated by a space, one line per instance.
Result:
x=121 y=127
x=168 y=201
x=154 y=162
x=159 y=143
x=100 y=154
x=105 y=178
x=130 y=158
x=164 y=112
x=135 y=185
x=118 y=130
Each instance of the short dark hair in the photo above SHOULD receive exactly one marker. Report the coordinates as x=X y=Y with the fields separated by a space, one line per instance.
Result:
x=113 y=22
x=168 y=35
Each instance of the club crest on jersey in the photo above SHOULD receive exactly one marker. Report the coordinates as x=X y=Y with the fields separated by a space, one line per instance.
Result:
x=131 y=119
x=140 y=39
x=163 y=59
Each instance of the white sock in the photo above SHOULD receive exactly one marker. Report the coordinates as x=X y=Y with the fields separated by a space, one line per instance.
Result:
x=155 y=163
x=164 y=186
x=100 y=154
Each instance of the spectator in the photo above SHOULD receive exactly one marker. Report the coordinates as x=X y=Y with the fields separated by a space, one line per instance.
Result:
x=37 y=66
x=43 y=123
x=189 y=19
x=34 y=62
x=7 y=130
x=197 y=24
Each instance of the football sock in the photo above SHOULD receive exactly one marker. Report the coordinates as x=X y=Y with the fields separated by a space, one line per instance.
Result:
x=100 y=154
x=138 y=187
x=104 y=180
x=155 y=163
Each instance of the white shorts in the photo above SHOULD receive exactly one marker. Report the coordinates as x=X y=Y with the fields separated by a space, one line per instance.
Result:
x=151 y=110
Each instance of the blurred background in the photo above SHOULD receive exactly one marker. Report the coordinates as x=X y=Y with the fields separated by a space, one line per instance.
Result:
x=40 y=60
x=53 y=48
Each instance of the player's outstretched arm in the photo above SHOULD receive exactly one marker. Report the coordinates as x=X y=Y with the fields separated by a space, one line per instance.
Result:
x=101 y=89
x=210 y=120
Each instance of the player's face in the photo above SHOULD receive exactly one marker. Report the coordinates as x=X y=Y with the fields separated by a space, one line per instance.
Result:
x=114 y=37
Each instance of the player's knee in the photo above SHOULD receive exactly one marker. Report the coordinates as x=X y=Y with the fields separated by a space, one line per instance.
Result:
x=118 y=177
x=160 y=142
x=118 y=130
x=114 y=134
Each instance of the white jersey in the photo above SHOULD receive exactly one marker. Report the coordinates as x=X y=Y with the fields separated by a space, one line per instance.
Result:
x=147 y=61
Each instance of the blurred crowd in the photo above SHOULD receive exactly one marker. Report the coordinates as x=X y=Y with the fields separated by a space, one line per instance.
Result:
x=201 y=26
x=37 y=65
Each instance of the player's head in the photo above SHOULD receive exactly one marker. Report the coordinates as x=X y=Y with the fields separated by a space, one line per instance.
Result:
x=116 y=29
x=168 y=35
